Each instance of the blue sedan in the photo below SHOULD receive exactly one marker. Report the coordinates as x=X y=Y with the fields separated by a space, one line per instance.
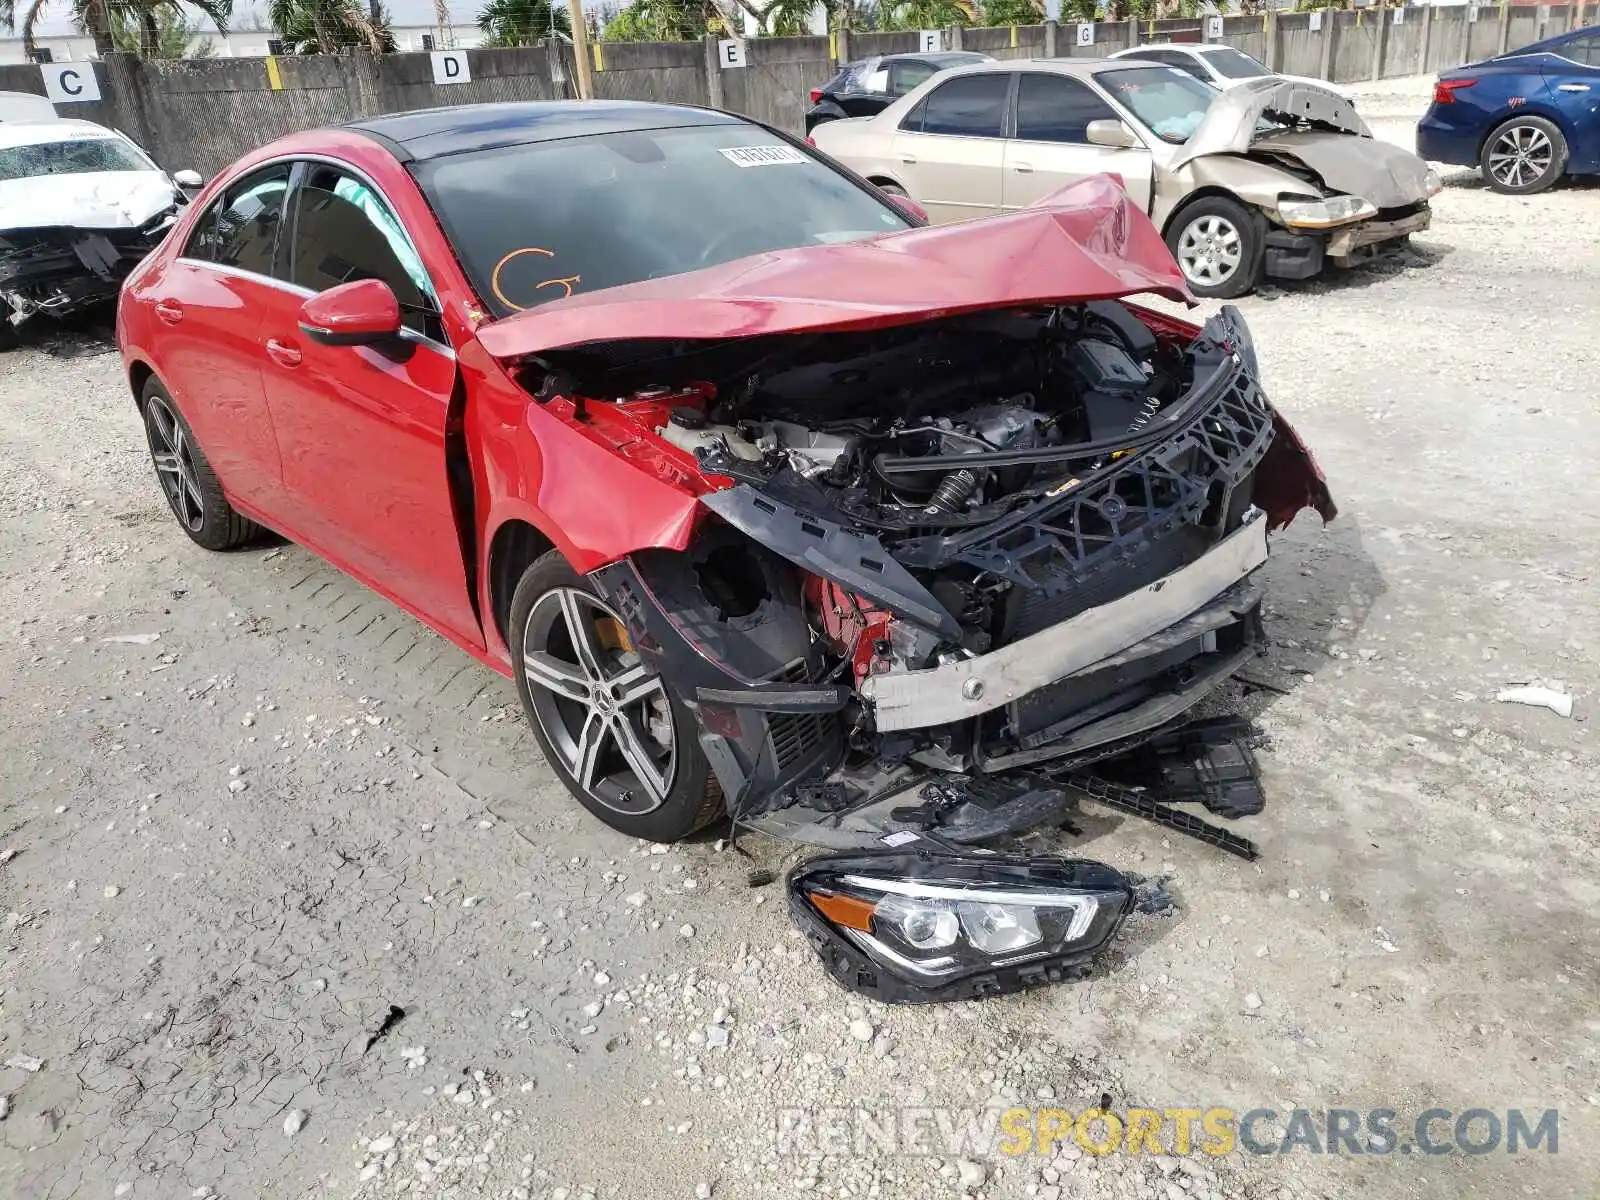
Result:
x=1526 y=118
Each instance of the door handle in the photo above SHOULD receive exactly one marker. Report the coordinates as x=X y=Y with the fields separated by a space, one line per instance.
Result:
x=1023 y=168
x=169 y=311
x=285 y=354
x=908 y=158
x=1572 y=87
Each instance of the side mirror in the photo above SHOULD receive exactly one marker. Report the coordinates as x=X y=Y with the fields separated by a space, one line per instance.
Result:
x=909 y=208
x=1110 y=133
x=352 y=314
x=188 y=179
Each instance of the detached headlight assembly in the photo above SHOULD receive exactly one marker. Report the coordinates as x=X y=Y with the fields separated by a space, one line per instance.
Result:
x=913 y=928
x=1302 y=212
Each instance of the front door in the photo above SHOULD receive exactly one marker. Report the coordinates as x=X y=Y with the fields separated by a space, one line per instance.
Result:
x=1051 y=148
x=362 y=428
x=1573 y=73
x=950 y=148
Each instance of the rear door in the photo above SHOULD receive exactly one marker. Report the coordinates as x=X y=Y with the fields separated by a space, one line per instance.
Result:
x=865 y=92
x=210 y=301
x=906 y=75
x=951 y=147
x=362 y=428
x=1051 y=148
x=1573 y=73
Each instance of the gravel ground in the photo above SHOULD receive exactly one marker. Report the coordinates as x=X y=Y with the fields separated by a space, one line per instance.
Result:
x=294 y=909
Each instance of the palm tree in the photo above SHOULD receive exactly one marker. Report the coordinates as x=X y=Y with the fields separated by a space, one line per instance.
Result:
x=522 y=22
x=173 y=38
x=658 y=21
x=146 y=16
x=328 y=26
x=788 y=18
x=929 y=14
x=91 y=16
x=1013 y=12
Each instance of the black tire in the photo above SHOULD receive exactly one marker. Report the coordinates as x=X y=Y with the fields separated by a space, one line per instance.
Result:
x=1523 y=155
x=193 y=491
x=10 y=338
x=892 y=189
x=1199 y=232
x=618 y=797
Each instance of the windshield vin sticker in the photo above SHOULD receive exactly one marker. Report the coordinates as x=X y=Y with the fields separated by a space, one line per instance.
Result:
x=762 y=156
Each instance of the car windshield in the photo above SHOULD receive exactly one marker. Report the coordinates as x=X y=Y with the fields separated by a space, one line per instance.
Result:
x=1235 y=64
x=70 y=158
x=541 y=222
x=1169 y=101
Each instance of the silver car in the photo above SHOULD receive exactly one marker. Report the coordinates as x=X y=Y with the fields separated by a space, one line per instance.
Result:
x=1270 y=178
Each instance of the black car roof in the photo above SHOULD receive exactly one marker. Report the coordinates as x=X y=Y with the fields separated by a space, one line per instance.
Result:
x=434 y=132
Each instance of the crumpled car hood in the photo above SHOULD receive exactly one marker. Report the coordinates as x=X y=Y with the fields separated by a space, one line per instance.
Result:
x=1090 y=243
x=1230 y=122
x=87 y=200
x=1387 y=175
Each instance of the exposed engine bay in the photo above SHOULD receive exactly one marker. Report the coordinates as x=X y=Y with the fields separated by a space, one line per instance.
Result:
x=958 y=575
x=59 y=270
x=883 y=446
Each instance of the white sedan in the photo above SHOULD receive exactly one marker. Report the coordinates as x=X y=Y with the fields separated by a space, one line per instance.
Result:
x=80 y=205
x=1220 y=65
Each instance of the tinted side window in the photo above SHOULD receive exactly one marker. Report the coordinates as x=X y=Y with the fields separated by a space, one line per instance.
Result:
x=1053 y=108
x=1583 y=50
x=343 y=231
x=906 y=77
x=970 y=106
x=241 y=228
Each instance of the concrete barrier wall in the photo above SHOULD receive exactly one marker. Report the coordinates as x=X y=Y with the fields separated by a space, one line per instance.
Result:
x=671 y=72
x=775 y=83
x=1013 y=41
x=205 y=113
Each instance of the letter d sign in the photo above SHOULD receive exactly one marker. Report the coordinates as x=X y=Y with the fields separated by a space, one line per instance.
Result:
x=70 y=83
x=450 y=66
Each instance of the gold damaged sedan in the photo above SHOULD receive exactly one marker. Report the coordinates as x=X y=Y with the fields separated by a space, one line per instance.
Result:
x=1272 y=178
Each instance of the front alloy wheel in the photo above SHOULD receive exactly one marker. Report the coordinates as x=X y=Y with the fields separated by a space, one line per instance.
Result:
x=1215 y=241
x=610 y=726
x=603 y=711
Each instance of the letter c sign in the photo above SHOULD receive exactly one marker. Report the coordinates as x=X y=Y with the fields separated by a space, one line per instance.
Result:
x=70 y=83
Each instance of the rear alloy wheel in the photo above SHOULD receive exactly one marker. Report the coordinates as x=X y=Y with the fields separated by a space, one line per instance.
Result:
x=192 y=489
x=1524 y=156
x=610 y=726
x=1215 y=242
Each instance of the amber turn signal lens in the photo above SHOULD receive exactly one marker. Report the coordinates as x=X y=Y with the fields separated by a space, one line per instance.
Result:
x=847 y=912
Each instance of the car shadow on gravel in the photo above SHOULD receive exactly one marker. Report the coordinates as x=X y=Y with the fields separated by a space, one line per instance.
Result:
x=1415 y=256
x=1321 y=585
x=87 y=334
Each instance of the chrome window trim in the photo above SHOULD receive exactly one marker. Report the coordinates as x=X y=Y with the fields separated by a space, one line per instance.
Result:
x=406 y=334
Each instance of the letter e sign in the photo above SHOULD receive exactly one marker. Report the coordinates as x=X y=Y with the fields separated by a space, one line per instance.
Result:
x=70 y=83
x=730 y=53
x=450 y=66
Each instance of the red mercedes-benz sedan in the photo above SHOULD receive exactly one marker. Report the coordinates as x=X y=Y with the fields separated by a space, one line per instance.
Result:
x=776 y=504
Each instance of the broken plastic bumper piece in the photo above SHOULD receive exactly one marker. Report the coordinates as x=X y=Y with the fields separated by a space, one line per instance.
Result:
x=972 y=686
x=922 y=927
